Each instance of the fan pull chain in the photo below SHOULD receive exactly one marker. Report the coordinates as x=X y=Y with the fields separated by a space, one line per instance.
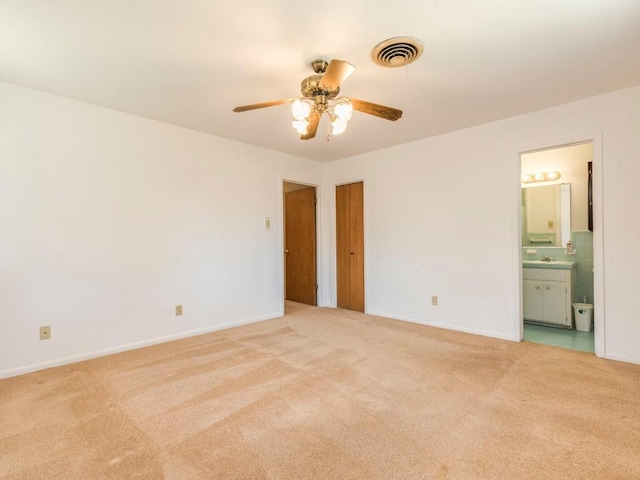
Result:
x=328 y=131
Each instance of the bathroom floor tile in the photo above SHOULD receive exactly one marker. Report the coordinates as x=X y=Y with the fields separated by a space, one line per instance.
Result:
x=559 y=337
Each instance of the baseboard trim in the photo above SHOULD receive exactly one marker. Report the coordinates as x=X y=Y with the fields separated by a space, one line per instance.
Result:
x=623 y=358
x=14 y=372
x=445 y=326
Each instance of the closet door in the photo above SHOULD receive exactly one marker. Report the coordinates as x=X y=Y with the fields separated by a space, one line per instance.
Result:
x=343 y=246
x=350 y=246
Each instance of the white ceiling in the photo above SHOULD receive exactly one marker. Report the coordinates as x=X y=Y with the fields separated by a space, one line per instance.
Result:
x=189 y=62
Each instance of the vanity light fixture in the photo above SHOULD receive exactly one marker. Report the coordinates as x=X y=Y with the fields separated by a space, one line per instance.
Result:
x=540 y=177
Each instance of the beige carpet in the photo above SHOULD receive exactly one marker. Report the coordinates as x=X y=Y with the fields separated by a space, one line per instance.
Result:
x=326 y=394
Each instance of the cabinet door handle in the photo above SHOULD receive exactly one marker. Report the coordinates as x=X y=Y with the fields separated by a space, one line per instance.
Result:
x=547 y=287
x=537 y=287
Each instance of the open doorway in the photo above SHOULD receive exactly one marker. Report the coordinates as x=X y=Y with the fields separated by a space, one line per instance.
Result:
x=558 y=246
x=300 y=243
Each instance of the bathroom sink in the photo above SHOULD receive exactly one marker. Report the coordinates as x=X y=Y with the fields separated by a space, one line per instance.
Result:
x=561 y=264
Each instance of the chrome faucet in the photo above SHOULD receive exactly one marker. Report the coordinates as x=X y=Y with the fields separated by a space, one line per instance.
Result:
x=546 y=259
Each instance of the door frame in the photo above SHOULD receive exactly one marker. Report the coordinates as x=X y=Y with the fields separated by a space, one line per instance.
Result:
x=598 y=233
x=283 y=266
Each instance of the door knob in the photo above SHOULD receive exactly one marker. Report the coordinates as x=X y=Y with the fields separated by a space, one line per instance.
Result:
x=351 y=253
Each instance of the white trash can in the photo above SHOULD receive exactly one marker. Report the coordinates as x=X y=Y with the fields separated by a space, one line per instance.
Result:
x=583 y=313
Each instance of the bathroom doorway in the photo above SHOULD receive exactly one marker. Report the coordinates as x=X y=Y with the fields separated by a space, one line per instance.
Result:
x=557 y=244
x=300 y=243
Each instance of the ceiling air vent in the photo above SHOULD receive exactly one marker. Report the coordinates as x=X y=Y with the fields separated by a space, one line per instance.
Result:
x=397 y=52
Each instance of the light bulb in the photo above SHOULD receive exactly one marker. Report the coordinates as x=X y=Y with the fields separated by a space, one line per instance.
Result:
x=541 y=177
x=300 y=126
x=300 y=110
x=343 y=109
x=338 y=126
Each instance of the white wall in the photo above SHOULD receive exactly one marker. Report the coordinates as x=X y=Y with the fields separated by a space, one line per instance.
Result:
x=442 y=218
x=110 y=220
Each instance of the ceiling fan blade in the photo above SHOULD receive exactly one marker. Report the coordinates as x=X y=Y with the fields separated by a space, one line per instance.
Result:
x=244 y=108
x=314 y=120
x=388 y=113
x=336 y=73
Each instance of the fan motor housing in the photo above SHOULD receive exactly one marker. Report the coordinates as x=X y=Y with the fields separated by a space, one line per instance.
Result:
x=310 y=88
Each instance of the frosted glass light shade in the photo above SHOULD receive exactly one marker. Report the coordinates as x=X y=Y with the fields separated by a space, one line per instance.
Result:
x=300 y=126
x=338 y=126
x=300 y=110
x=343 y=109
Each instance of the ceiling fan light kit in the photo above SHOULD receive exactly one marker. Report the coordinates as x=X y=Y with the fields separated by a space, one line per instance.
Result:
x=338 y=111
x=319 y=92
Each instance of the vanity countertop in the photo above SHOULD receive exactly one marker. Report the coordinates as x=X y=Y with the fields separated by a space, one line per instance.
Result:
x=555 y=264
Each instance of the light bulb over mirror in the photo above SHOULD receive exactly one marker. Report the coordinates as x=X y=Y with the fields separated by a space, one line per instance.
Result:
x=541 y=177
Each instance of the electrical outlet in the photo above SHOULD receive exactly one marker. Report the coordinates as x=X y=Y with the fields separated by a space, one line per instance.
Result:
x=434 y=300
x=178 y=310
x=45 y=332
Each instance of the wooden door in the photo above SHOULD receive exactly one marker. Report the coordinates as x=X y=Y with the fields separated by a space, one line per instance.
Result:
x=300 y=245
x=350 y=246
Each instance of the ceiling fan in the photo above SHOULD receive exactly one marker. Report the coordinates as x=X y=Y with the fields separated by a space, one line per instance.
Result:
x=319 y=94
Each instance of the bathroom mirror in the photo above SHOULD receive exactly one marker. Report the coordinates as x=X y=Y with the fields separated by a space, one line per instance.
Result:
x=546 y=215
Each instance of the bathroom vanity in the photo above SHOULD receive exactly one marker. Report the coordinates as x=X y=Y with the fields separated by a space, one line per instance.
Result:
x=547 y=292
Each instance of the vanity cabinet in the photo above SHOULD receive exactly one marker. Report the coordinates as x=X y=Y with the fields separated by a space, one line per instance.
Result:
x=547 y=295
